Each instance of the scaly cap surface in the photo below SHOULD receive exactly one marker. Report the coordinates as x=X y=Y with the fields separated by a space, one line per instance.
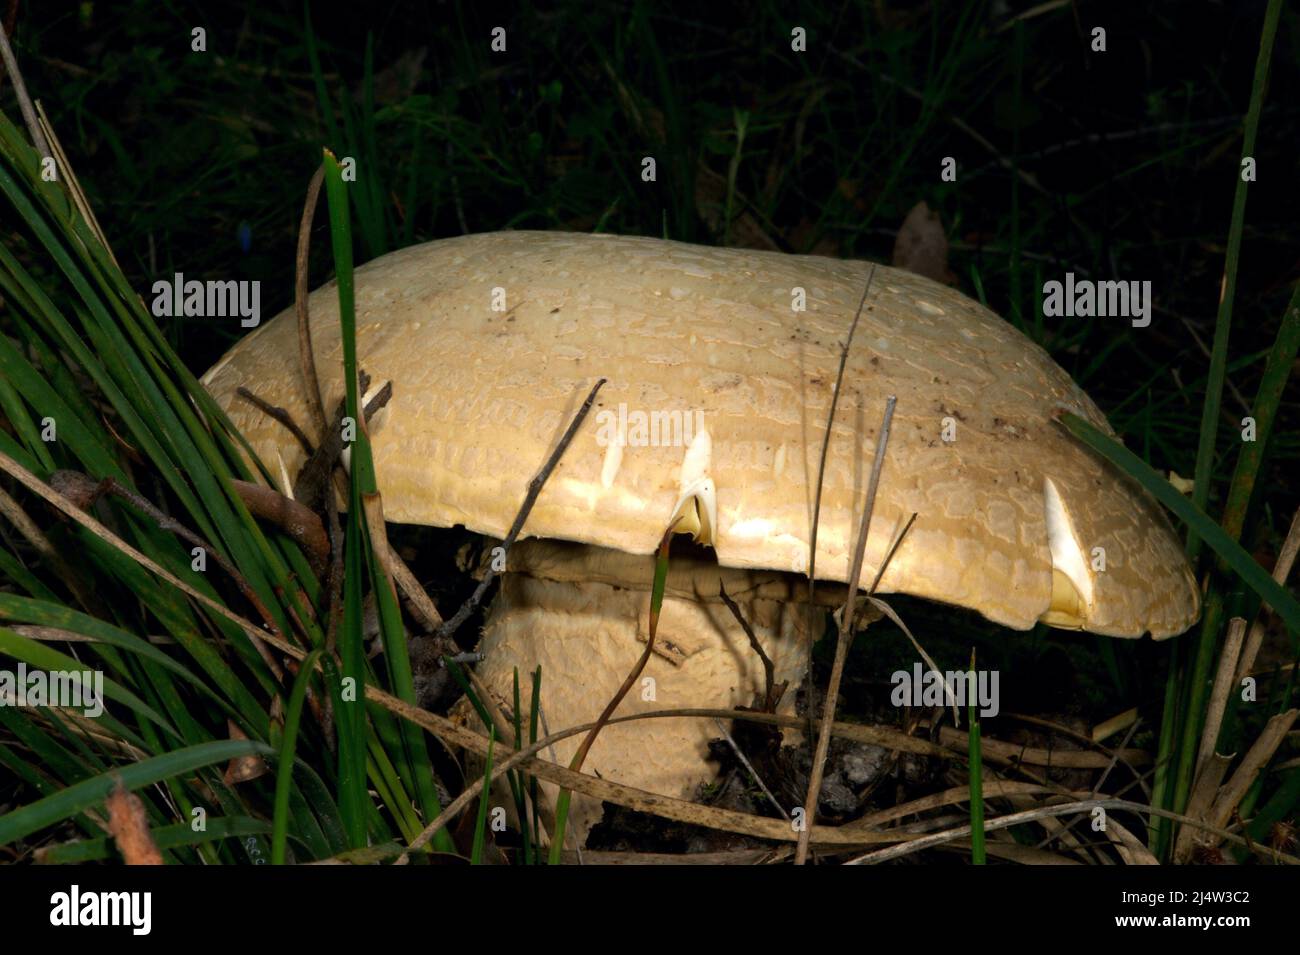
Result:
x=1009 y=512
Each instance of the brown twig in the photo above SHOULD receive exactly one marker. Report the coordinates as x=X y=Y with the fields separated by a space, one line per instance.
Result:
x=1281 y=571
x=821 y=464
x=299 y=522
x=334 y=611
x=1032 y=815
x=821 y=477
x=1221 y=690
x=1101 y=781
x=845 y=635
x=534 y=489
x=769 y=671
x=749 y=767
x=316 y=476
x=996 y=750
x=478 y=743
x=422 y=607
x=889 y=555
x=280 y=415
x=321 y=488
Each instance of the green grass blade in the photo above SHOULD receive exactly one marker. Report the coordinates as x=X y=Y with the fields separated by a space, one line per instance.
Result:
x=480 y=824
x=1240 y=562
x=417 y=770
x=78 y=798
x=288 y=746
x=1223 y=322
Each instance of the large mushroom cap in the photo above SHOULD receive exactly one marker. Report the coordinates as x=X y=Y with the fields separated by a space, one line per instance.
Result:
x=1010 y=511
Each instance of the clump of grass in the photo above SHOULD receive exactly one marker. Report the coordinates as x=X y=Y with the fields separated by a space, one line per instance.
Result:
x=836 y=146
x=219 y=694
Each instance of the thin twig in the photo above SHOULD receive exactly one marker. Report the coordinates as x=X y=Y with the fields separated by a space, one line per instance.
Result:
x=845 y=636
x=1281 y=571
x=534 y=489
x=1222 y=688
x=334 y=610
x=1083 y=739
x=898 y=621
x=769 y=671
x=421 y=604
x=821 y=478
x=821 y=464
x=1096 y=788
x=280 y=415
x=1032 y=815
x=740 y=755
x=316 y=476
x=20 y=93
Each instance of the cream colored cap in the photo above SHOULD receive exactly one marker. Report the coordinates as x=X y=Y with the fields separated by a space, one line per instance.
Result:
x=720 y=366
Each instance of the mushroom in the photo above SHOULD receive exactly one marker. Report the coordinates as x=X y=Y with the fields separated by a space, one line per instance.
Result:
x=720 y=365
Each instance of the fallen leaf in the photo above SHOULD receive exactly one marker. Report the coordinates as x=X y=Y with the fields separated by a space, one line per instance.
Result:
x=397 y=81
x=243 y=768
x=922 y=245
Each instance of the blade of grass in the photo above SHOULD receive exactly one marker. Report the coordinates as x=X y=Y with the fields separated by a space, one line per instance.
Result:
x=1237 y=559
x=1277 y=372
x=1228 y=290
x=480 y=824
x=417 y=771
x=284 y=769
x=84 y=795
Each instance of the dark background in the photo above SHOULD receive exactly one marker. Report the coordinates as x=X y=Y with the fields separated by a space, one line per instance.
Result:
x=1114 y=165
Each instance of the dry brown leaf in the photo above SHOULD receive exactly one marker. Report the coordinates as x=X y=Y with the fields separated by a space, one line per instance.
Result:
x=922 y=245
x=243 y=768
x=397 y=81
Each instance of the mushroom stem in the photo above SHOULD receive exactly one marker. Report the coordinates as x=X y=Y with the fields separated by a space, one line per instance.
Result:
x=586 y=630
